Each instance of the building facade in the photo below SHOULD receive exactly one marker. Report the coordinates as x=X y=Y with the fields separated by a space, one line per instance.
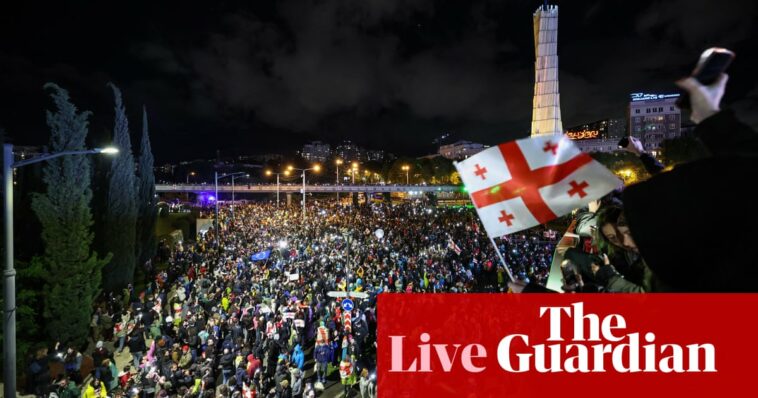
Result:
x=654 y=118
x=598 y=136
x=316 y=151
x=461 y=149
x=546 y=105
x=348 y=151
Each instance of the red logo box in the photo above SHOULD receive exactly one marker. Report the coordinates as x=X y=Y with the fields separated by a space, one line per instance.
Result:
x=539 y=345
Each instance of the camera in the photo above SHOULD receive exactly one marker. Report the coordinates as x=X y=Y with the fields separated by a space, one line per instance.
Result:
x=571 y=278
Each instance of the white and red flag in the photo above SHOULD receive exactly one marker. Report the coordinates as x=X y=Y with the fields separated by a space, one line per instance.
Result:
x=452 y=246
x=520 y=184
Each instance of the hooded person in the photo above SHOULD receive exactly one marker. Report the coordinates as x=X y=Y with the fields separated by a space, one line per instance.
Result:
x=689 y=224
x=298 y=357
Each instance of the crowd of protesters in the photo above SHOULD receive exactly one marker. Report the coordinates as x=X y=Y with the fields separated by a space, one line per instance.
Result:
x=248 y=312
x=251 y=311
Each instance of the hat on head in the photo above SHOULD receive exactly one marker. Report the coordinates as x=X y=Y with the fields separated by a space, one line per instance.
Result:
x=99 y=344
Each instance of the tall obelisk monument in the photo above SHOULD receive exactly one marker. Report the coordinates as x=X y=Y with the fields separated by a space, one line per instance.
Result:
x=546 y=111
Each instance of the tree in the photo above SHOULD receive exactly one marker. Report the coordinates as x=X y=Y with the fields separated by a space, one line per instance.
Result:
x=625 y=165
x=147 y=210
x=121 y=208
x=71 y=268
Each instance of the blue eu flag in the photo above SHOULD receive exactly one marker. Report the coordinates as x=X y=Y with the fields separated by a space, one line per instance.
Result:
x=260 y=256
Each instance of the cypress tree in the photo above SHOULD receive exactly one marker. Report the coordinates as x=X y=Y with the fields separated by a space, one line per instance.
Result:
x=146 y=241
x=121 y=208
x=71 y=268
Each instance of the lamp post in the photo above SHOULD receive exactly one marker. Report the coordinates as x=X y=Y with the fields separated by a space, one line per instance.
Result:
x=348 y=240
x=338 y=162
x=406 y=168
x=218 y=177
x=191 y=173
x=233 y=176
x=269 y=173
x=354 y=170
x=9 y=318
x=315 y=168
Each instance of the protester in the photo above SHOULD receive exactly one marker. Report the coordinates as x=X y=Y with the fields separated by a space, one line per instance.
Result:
x=216 y=321
x=679 y=219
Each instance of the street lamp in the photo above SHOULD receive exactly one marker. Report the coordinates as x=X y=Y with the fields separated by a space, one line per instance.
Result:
x=338 y=162
x=286 y=173
x=315 y=168
x=191 y=173
x=233 y=177
x=218 y=177
x=354 y=170
x=406 y=168
x=9 y=319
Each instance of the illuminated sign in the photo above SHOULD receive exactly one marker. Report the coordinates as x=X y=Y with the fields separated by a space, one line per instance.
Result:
x=583 y=134
x=648 y=97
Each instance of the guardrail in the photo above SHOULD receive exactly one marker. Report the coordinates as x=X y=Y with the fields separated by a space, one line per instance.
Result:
x=294 y=188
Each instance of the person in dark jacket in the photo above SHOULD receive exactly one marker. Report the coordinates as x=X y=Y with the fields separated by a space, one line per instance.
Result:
x=227 y=364
x=322 y=352
x=136 y=345
x=652 y=166
x=692 y=225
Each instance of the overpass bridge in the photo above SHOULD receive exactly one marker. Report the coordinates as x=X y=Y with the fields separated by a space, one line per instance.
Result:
x=297 y=188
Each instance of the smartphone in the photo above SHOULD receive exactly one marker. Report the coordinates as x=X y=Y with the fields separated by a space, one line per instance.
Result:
x=712 y=63
x=623 y=142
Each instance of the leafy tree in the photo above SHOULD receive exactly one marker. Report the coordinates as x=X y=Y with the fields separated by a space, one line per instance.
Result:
x=121 y=212
x=146 y=240
x=624 y=164
x=71 y=269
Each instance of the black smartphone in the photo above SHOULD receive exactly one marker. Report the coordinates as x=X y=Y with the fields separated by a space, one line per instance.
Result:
x=623 y=142
x=712 y=63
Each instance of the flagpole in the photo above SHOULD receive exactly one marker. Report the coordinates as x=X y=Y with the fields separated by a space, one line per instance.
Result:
x=492 y=240
x=502 y=260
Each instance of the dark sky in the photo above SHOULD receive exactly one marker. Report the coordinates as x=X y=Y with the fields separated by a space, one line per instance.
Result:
x=389 y=74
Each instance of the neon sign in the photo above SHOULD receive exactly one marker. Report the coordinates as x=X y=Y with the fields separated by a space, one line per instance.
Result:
x=647 y=97
x=583 y=134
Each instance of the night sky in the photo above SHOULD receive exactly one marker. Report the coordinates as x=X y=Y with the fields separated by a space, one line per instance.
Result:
x=388 y=74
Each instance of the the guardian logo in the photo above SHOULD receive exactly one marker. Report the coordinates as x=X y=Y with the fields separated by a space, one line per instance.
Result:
x=604 y=346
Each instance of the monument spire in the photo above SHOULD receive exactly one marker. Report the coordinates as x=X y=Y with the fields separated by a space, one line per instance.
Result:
x=546 y=105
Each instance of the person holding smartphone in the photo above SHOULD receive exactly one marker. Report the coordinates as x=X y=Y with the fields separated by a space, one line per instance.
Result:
x=709 y=198
x=634 y=146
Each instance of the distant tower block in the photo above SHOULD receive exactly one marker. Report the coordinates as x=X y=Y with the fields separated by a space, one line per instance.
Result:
x=546 y=111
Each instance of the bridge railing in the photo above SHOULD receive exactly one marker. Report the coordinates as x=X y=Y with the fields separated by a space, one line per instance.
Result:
x=294 y=188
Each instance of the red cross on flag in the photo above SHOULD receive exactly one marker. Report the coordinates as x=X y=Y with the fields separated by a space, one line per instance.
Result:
x=520 y=184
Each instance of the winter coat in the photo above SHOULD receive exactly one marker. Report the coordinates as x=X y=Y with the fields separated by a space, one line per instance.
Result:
x=89 y=392
x=298 y=357
x=322 y=353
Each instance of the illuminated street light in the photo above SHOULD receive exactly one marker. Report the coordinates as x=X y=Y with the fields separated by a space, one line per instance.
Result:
x=110 y=150
x=9 y=286
x=338 y=162
x=270 y=173
x=406 y=168
x=316 y=168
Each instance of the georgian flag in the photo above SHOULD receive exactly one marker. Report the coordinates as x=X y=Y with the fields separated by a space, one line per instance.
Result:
x=520 y=184
x=452 y=246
